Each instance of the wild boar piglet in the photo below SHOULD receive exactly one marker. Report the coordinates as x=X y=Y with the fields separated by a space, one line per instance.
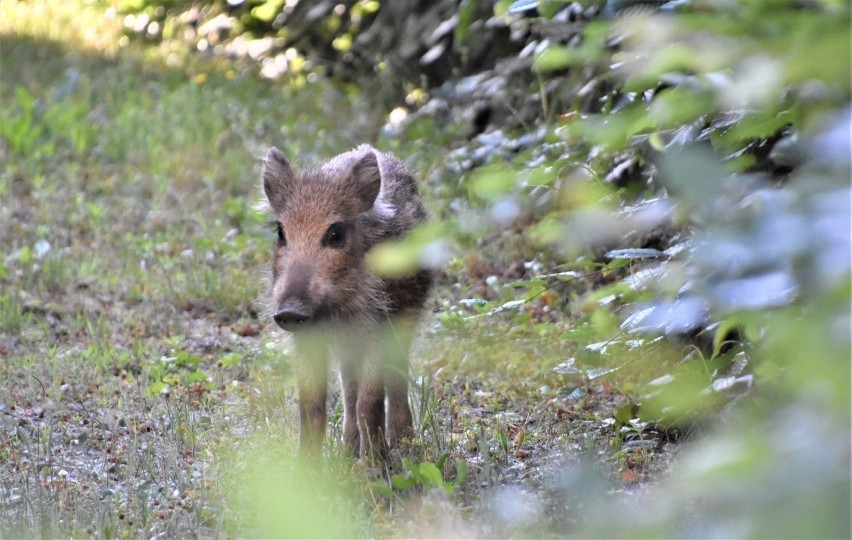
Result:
x=327 y=219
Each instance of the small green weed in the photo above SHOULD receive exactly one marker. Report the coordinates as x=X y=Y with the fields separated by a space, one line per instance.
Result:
x=13 y=318
x=20 y=128
x=34 y=126
x=426 y=475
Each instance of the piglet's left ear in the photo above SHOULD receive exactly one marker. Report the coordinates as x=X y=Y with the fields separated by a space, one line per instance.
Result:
x=278 y=178
x=366 y=180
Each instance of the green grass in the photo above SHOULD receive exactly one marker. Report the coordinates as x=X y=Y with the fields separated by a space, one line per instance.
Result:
x=131 y=262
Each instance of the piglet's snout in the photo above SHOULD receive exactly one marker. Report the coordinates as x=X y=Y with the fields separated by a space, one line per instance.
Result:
x=294 y=307
x=293 y=314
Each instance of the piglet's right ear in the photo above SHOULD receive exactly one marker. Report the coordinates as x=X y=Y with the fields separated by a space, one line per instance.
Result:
x=366 y=177
x=277 y=177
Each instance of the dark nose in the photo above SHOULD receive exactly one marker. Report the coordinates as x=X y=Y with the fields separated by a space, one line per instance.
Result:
x=292 y=315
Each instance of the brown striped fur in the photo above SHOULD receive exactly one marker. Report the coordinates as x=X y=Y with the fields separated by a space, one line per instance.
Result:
x=329 y=218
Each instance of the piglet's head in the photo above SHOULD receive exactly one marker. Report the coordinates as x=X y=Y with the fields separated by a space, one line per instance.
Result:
x=316 y=267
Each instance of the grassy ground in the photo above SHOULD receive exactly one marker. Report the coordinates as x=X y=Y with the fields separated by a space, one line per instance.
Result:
x=140 y=392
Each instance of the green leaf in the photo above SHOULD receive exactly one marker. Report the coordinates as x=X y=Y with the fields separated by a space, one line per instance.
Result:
x=231 y=359
x=382 y=488
x=267 y=10
x=196 y=376
x=617 y=263
x=184 y=358
x=684 y=395
x=155 y=388
x=528 y=283
x=753 y=126
x=25 y=99
x=404 y=257
x=676 y=106
x=625 y=413
x=402 y=483
x=580 y=333
x=656 y=142
x=431 y=473
x=550 y=230
x=557 y=57
x=541 y=176
x=442 y=460
x=461 y=471
x=674 y=59
x=612 y=131
x=504 y=441
x=823 y=38
x=592 y=50
x=413 y=469
x=465 y=15
x=493 y=181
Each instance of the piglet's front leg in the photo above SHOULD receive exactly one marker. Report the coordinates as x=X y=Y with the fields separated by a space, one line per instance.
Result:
x=311 y=377
x=370 y=410
x=350 y=382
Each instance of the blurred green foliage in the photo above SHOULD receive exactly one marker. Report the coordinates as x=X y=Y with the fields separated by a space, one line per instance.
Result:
x=734 y=107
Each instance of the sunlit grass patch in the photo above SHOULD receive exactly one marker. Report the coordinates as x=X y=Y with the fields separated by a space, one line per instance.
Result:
x=160 y=188
x=83 y=23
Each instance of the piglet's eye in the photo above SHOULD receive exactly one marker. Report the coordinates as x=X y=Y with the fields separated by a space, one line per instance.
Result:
x=335 y=236
x=282 y=240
